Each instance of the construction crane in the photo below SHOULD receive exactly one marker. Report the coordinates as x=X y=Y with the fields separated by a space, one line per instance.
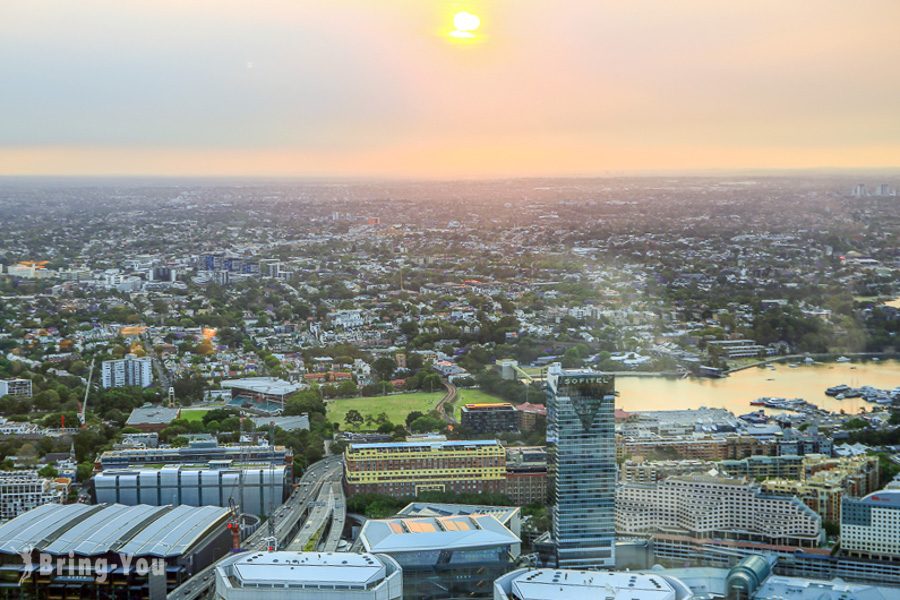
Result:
x=82 y=415
x=234 y=525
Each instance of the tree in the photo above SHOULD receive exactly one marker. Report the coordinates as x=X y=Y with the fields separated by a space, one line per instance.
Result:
x=412 y=416
x=353 y=418
x=384 y=367
x=48 y=471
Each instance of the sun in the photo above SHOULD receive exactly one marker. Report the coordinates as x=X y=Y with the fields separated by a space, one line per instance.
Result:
x=466 y=25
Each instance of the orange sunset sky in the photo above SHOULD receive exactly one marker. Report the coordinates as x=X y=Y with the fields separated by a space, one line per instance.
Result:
x=381 y=88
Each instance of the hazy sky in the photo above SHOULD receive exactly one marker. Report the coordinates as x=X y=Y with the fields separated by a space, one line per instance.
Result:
x=377 y=87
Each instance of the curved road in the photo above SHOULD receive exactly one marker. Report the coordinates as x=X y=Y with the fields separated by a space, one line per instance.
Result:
x=446 y=403
x=287 y=519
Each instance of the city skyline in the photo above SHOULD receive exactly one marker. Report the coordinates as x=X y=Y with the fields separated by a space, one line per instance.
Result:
x=360 y=89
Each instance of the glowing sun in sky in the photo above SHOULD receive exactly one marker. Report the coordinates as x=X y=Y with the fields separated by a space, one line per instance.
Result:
x=466 y=25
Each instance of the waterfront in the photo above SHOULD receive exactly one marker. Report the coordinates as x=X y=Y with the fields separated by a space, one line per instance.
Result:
x=737 y=391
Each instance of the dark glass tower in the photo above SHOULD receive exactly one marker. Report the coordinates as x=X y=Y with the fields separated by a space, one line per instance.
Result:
x=582 y=454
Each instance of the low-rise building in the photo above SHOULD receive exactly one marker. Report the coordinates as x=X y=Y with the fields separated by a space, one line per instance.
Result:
x=495 y=417
x=526 y=474
x=408 y=468
x=15 y=387
x=152 y=418
x=21 y=491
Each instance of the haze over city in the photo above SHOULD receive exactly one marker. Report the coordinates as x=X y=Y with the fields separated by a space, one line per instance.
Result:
x=360 y=88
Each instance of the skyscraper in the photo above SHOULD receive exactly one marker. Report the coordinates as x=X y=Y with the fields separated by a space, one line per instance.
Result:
x=582 y=464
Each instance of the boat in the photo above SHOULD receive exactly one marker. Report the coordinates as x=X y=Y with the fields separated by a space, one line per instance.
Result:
x=842 y=359
x=837 y=389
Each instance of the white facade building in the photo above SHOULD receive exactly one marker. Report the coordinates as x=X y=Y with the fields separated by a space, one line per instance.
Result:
x=715 y=507
x=308 y=576
x=21 y=491
x=566 y=584
x=128 y=371
x=15 y=387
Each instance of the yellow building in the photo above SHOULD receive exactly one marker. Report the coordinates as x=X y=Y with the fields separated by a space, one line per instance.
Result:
x=408 y=468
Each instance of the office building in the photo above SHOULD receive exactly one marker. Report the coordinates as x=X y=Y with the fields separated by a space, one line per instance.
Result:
x=21 y=491
x=257 y=490
x=15 y=387
x=702 y=506
x=565 y=584
x=204 y=452
x=444 y=557
x=127 y=372
x=308 y=576
x=408 y=468
x=870 y=526
x=582 y=467
x=90 y=546
x=495 y=417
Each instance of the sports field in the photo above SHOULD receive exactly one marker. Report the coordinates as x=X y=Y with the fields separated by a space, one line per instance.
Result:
x=397 y=406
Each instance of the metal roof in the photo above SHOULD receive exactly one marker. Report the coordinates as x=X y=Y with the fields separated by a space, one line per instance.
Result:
x=36 y=527
x=174 y=532
x=435 y=533
x=86 y=530
x=104 y=531
x=262 y=385
x=158 y=415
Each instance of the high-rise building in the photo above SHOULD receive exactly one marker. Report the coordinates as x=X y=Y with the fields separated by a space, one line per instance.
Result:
x=582 y=466
x=128 y=371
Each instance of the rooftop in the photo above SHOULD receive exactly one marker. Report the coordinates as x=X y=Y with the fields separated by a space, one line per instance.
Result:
x=312 y=568
x=557 y=584
x=434 y=444
x=885 y=498
x=262 y=385
x=435 y=509
x=448 y=533
x=152 y=414
x=795 y=588
x=85 y=530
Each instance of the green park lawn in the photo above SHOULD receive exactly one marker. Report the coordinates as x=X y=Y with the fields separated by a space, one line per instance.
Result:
x=397 y=406
x=193 y=414
x=472 y=397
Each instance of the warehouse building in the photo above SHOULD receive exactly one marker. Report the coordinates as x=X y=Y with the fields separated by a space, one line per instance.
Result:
x=308 y=576
x=107 y=551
